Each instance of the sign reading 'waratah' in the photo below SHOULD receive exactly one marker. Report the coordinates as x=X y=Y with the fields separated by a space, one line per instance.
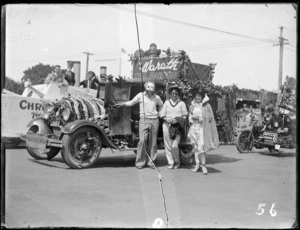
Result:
x=157 y=68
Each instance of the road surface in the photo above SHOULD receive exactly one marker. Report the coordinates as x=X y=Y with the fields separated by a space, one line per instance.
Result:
x=253 y=190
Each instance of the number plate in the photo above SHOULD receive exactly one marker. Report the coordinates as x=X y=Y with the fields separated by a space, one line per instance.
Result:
x=270 y=134
x=277 y=147
x=36 y=142
x=55 y=123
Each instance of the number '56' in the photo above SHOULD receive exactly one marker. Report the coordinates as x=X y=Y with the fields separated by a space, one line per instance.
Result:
x=260 y=209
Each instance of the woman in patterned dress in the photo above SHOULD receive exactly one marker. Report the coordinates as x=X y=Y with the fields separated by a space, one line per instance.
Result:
x=203 y=131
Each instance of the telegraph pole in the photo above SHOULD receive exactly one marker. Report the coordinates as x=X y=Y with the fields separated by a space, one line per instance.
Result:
x=87 y=62
x=281 y=44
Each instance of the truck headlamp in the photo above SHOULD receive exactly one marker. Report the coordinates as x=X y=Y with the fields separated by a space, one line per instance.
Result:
x=46 y=116
x=66 y=114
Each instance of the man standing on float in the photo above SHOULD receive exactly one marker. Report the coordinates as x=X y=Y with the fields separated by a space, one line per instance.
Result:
x=150 y=106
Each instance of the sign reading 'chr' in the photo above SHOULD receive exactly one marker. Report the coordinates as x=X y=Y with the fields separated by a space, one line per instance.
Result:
x=158 y=68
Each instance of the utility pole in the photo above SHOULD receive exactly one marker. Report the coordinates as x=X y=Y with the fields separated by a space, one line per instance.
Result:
x=281 y=44
x=87 y=62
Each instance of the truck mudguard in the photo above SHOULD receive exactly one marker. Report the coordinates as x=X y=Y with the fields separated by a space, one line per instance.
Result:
x=43 y=127
x=73 y=126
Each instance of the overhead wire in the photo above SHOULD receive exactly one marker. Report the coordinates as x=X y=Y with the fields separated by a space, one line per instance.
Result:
x=48 y=59
x=62 y=57
x=224 y=46
x=158 y=172
x=290 y=49
x=192 y=25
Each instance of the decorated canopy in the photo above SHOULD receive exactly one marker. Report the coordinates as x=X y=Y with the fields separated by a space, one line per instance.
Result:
x=168 y=69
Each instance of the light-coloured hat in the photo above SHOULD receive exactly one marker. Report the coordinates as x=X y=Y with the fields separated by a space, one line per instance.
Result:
x=145 y=85
x=205 y=99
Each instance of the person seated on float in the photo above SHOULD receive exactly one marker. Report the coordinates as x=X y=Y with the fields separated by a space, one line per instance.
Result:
x=91 y=82
x=70 y=75
x=56 y=77
x=153 y=51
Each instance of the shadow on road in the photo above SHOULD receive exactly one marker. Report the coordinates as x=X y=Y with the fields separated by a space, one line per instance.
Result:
x=212 y=170
x=115 y=161
x=278 y=154
x=47 y=163
x=220 y=158
x=125 y=161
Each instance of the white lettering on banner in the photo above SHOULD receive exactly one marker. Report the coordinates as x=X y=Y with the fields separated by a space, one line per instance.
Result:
x=149 y=66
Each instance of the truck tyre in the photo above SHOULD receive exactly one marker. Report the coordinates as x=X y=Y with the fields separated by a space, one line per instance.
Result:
x=39 y=154
x=82 y=148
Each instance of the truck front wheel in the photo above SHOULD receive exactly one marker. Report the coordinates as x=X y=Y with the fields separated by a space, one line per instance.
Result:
x=39 y=154
x=82 y=148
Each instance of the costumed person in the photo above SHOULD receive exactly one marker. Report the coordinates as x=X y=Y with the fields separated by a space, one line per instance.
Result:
x=56 y=77
x=174 y=114
x=153 y=51
x=267 y=117
x=203 y=131
x=70 y=75
x=91 y=82
x=150 y=106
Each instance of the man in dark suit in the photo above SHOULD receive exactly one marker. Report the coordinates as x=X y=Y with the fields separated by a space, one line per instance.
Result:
x=92 y=81
x=70 y=75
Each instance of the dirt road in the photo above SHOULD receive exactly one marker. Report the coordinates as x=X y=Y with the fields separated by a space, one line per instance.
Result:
x=254 y=190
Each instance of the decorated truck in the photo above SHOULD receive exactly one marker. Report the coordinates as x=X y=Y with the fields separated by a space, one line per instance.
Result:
x=18 y=110
x=80 y=128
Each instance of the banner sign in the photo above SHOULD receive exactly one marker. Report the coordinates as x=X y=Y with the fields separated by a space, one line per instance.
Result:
x=160 y=68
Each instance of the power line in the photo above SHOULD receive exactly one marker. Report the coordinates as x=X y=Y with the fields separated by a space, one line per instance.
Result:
x=190 y=24
x=290 y=49
x=49 y=59
x=228 y=45
x=222 y=47
x=62 y=57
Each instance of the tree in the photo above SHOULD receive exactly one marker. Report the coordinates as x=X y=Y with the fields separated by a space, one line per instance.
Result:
x=267 y=98
x=13 y=86
x=38 y=73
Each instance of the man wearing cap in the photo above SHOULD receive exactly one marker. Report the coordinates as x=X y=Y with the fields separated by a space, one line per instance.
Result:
x=150 y=106
x=70 y=75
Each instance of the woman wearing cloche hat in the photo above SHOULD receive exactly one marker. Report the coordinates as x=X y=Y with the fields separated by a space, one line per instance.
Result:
x=203 y=131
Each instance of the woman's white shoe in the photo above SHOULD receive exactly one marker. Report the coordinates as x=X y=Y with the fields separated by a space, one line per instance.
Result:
x=204 y=170
x=196 y=169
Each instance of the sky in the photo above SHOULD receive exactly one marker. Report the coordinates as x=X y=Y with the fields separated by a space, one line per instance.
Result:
x=242 y=39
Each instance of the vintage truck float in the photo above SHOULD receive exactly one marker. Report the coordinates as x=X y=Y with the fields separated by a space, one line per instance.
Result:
x=18 y=110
